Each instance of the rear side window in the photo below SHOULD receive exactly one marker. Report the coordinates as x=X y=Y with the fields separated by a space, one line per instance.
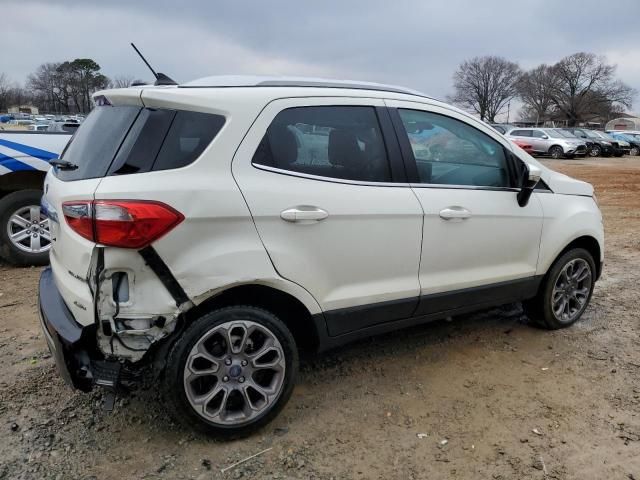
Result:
x=521 y=133
x=189 y=135
x=143 y=140
x=332 y=141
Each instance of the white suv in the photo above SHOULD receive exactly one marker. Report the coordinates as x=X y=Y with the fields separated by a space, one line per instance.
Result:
x=211 y=231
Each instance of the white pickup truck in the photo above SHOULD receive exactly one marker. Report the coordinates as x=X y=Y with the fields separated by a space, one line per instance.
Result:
x=24 y=161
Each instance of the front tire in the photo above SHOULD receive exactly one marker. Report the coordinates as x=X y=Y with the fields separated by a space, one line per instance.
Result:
x=634 y=151
x=595 y=151
x=231 y=371
x=556 y=152
x=24 y=230
x=565 y=291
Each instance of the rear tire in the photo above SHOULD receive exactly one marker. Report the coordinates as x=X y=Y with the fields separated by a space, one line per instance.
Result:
x=565 y=291
x=220 y=386
x=14 y=208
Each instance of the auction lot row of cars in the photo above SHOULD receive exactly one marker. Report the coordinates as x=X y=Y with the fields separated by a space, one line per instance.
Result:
x=572 y=142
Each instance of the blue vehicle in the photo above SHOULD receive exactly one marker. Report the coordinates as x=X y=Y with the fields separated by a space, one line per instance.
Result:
x=24 y=161
x=631 y=138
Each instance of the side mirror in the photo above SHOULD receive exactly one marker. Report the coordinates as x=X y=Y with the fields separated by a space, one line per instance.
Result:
x=529 y=182
x=546 y=137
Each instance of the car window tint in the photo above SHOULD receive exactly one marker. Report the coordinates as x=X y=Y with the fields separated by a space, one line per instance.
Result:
x=450 y=152
x=140 y=148
x=95 y=143
x=190 y=133
x=521 y=133
x=332 y=141
x=537 y=134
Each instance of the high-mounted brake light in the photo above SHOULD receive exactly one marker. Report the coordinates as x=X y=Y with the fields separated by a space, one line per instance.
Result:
x=121 y=223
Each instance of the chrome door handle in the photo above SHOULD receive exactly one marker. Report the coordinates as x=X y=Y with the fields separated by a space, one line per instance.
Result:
x=455 y=213
x=304 y=213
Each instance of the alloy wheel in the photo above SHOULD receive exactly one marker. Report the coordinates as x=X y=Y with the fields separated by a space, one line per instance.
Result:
x=28 y=230
x=234 y=373
x=571 y=290
x=556 y=153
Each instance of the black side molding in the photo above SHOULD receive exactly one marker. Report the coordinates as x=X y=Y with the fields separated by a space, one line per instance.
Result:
x=360 y=319
x=160 y=268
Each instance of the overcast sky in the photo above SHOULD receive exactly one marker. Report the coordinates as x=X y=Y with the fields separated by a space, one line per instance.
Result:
x=417 y=44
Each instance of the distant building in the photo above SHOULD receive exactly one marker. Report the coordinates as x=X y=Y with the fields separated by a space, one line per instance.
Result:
x=623 y=123
x=30 y=109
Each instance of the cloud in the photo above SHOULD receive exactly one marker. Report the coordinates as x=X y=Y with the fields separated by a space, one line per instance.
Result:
x=413 y=43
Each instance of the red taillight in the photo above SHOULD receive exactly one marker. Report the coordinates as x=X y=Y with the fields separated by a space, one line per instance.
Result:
x=121 y=223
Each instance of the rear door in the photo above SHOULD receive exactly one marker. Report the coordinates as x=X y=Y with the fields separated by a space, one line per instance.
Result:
x=323 y=180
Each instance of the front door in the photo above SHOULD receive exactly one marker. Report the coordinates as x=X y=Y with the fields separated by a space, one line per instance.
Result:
x=479 y=246
x=319 y=176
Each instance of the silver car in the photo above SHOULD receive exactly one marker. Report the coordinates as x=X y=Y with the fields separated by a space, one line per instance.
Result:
x=549 y=141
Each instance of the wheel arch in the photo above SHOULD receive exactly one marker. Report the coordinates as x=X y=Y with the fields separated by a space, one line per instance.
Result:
x=292 y=311
x=554 y=146
x=590 y=244
x=23 y=180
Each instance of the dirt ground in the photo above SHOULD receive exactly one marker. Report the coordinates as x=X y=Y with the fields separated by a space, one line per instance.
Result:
x=482 y=396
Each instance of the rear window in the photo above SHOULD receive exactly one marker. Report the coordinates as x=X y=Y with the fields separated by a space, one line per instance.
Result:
x=126 y=140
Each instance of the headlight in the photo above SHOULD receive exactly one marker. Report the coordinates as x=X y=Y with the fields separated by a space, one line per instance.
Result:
x=606 y=143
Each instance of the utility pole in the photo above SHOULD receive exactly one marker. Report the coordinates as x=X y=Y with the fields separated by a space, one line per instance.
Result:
x=508 y=110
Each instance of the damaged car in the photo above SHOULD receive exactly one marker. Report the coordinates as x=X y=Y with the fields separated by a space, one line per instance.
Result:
x=210 y=233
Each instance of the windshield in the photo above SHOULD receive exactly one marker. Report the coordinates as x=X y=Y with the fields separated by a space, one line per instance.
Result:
x=605 y=136
x=591 y=134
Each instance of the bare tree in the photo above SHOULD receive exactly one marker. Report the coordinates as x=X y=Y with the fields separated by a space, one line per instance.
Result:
x=584 y=84
x=5 y=90
x=535 y=89
x=122 y=81
x=485 y=85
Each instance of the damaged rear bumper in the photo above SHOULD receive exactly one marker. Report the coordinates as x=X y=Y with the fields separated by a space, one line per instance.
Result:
x=72 y=345
x=67 y=339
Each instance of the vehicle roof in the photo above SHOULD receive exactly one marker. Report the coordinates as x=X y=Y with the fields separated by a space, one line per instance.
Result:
x=226 y=81
x=226 y=90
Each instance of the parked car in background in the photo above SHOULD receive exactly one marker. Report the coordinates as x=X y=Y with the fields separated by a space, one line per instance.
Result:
x=599 y=147
x=502 y=127
x=208 y=232
x=547 y=141
x=63 y=127
x=630 y=136
x=569 y=135
x=623 y=147
x=25 y=238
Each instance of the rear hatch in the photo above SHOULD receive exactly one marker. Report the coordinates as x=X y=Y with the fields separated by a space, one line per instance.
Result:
x=91 y=150
x=120 y=139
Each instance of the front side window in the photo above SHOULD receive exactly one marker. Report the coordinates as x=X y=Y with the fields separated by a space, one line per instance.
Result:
x=327 y=141
x=538 y=134
x=450 y=152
